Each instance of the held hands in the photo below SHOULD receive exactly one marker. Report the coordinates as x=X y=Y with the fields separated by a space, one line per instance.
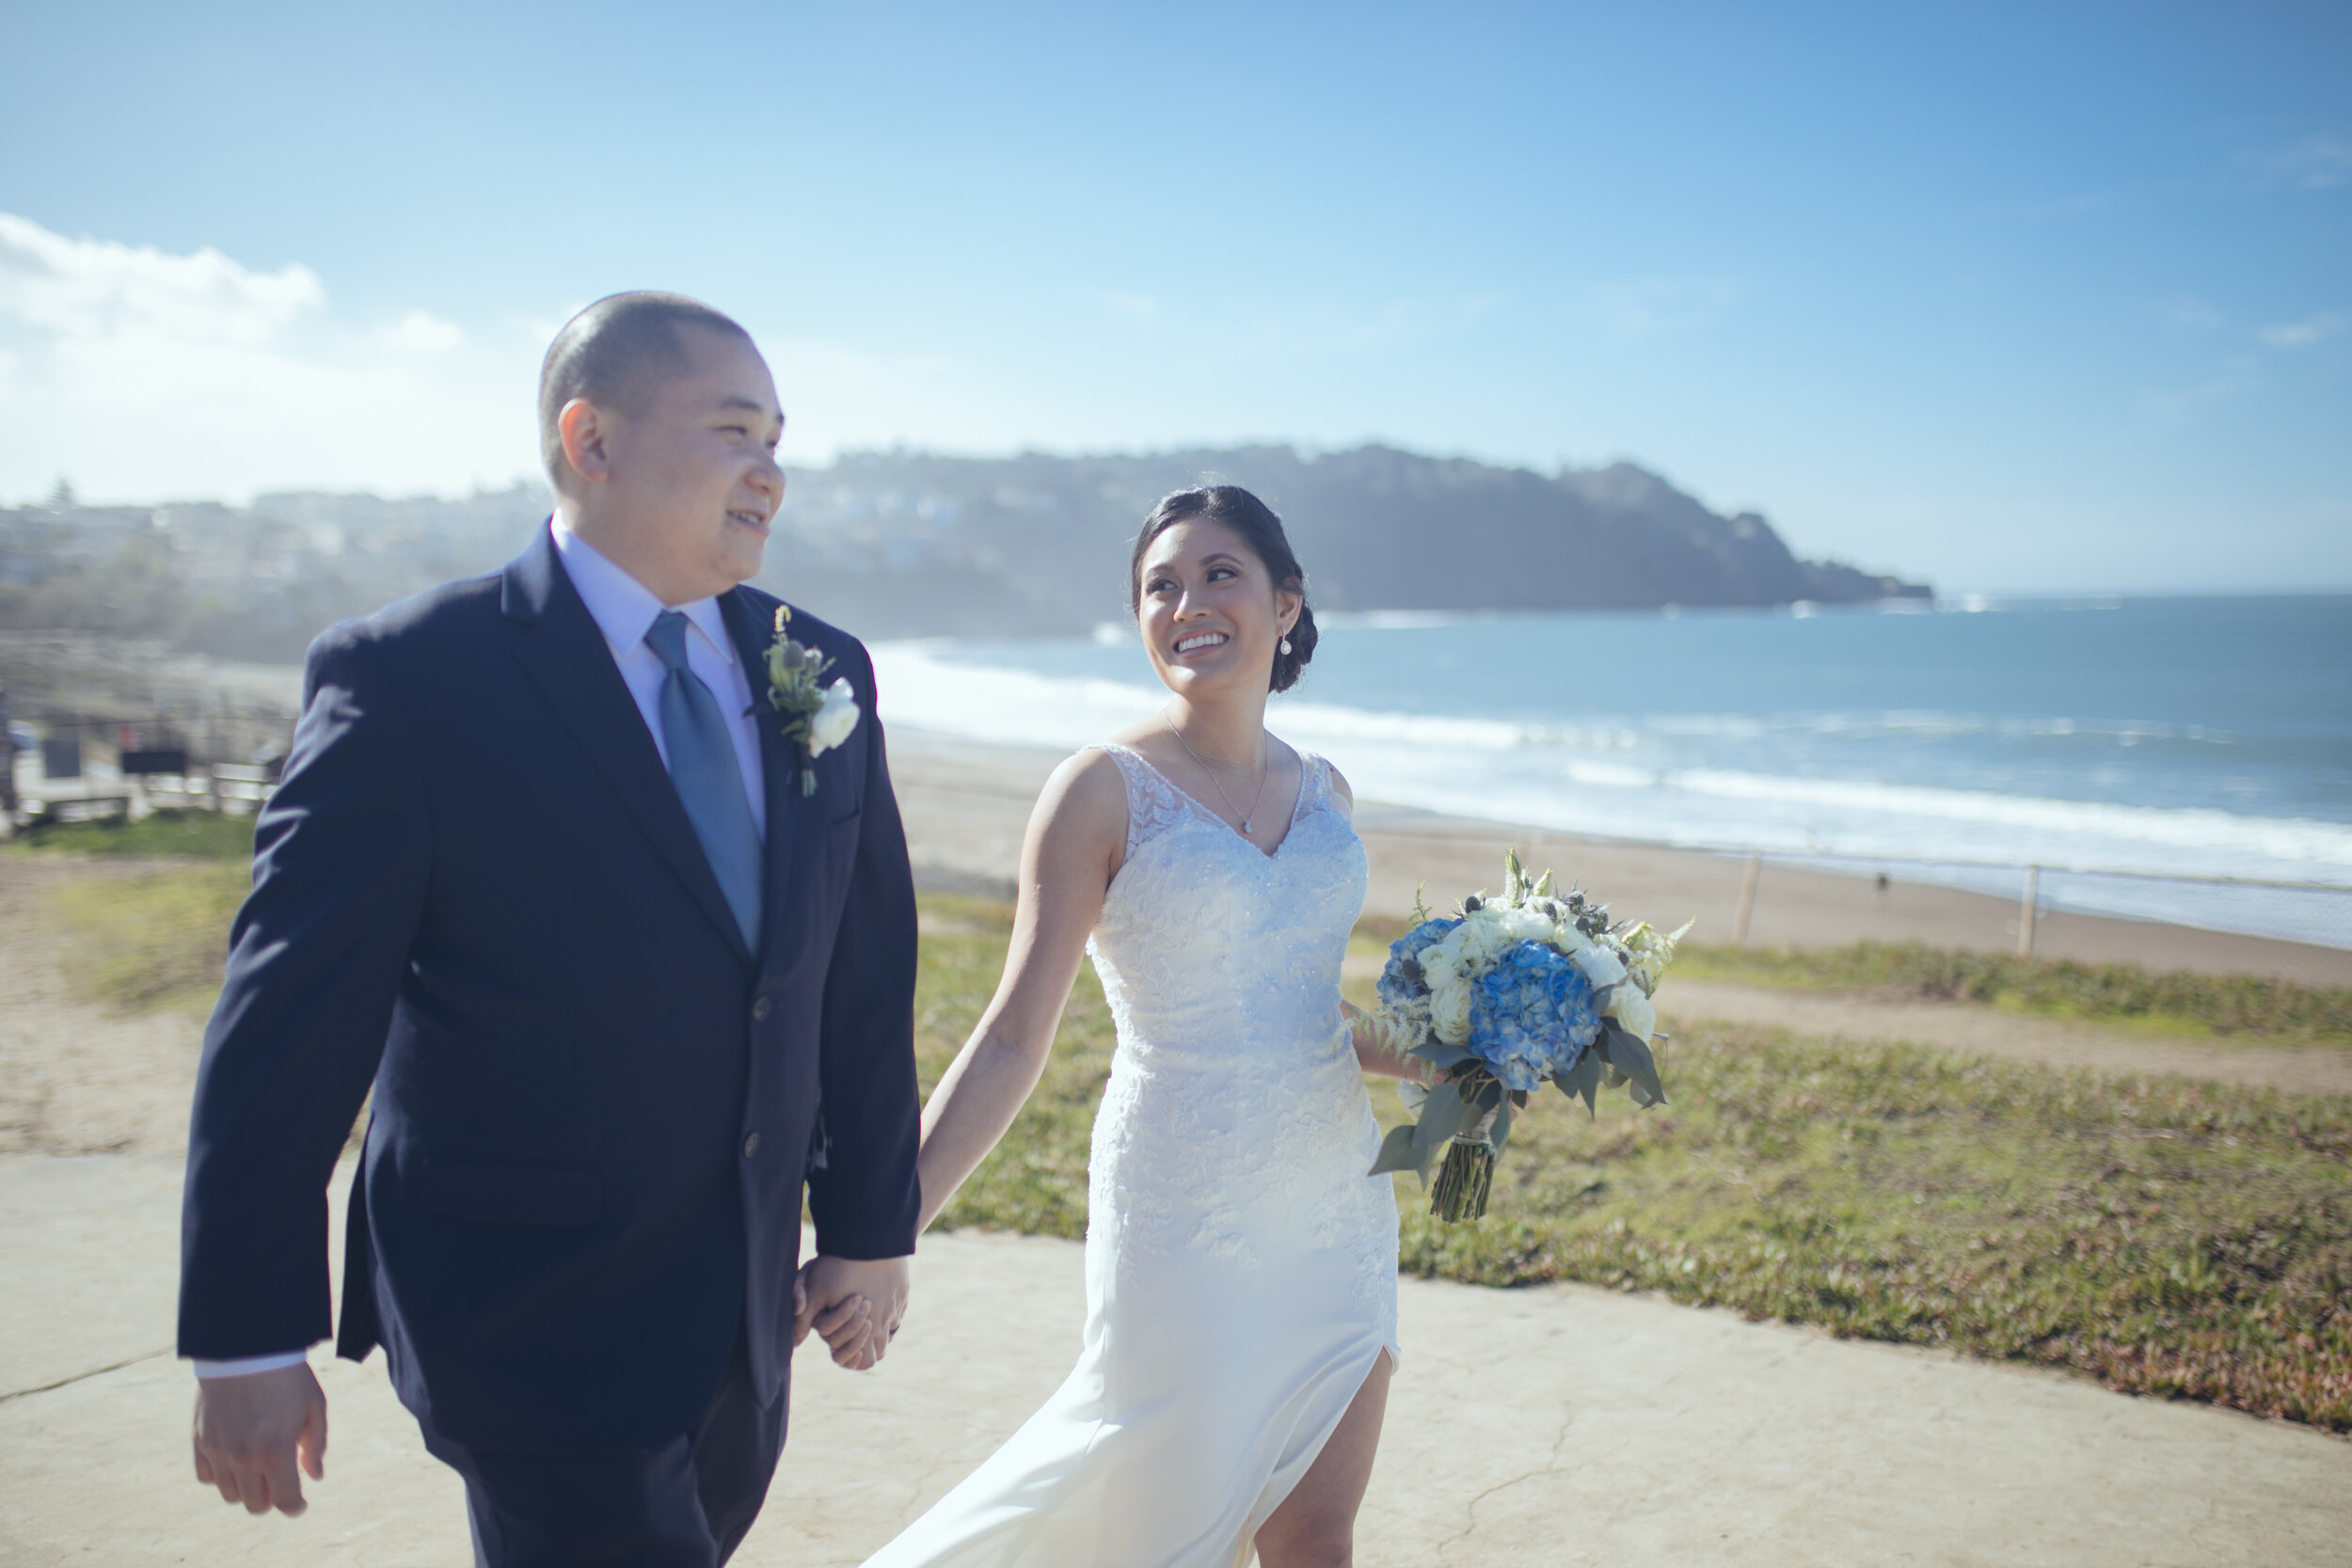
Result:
x=855 y=1304
x=252 y=1430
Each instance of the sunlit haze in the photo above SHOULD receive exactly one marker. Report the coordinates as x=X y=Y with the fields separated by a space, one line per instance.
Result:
x=1999 y=296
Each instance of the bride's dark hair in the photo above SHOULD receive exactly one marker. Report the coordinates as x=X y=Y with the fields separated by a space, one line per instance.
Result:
x=1255 y=521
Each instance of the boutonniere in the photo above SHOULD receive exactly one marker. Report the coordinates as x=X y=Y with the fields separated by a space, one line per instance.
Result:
x=817 y=717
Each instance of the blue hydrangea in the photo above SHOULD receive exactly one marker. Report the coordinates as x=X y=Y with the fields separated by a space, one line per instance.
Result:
x=1400 y=987
x=1531 y=1015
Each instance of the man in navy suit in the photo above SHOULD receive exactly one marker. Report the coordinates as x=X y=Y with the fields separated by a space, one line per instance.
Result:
x=626 y=967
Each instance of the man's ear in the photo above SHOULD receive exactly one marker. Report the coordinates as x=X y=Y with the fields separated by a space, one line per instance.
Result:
x=587 y=433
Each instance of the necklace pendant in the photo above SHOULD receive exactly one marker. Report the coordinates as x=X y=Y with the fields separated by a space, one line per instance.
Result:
x=1244 y=826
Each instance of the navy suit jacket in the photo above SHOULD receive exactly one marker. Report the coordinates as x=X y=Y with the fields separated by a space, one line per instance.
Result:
x=594 y=1107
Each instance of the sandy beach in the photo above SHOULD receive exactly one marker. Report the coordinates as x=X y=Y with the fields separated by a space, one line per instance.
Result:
x=967 y=803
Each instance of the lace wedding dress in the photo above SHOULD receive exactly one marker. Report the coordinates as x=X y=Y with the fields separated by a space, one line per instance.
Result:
x=1240 y=1266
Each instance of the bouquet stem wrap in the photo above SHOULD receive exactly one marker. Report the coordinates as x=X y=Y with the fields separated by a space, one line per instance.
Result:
x=1466 y=1174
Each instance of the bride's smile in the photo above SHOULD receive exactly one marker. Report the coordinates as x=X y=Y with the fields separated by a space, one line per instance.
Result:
x=1209 y=612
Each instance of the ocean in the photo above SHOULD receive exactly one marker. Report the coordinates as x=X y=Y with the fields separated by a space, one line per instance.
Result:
x=2159 y=736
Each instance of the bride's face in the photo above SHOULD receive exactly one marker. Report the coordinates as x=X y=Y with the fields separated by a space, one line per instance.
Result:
x=1210 y=612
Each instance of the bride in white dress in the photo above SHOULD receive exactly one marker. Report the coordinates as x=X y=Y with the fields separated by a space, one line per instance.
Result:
x=1240 y=1266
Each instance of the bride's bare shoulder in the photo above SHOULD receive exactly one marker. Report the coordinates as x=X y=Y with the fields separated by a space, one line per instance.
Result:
x=1085 y=795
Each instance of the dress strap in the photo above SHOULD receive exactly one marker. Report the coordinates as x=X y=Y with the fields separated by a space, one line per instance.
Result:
x=1314 y=784
x=1154 y=805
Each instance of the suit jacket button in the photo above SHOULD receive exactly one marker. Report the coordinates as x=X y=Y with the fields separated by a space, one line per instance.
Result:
x=760 y=1009
x=751 y=1146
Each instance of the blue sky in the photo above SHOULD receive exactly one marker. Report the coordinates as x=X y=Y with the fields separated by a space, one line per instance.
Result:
x=2035 y=296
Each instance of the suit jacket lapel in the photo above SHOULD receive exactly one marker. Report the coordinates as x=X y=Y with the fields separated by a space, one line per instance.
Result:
x=567 y=658
x=779 y=762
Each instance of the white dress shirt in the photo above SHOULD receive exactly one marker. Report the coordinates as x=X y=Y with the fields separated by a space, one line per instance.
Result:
x=624 y=610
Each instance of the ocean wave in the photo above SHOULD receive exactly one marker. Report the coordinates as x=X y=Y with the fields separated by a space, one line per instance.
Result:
x=1592 y=778
x=2284 y=841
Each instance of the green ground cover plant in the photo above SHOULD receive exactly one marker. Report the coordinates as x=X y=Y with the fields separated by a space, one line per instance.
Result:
x=158 y=941
x=1036 y=1180
x=2163 y=1236
x=192 y=834
x=2175 y=1002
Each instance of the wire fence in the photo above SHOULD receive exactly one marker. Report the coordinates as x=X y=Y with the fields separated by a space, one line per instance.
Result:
x=2314 y=911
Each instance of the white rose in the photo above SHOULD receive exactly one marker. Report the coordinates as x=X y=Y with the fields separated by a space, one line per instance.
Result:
x=1632 y=1011
x=1570 y=940
x=1482 y=939
x=1441 y=960
x=1449 y=1012
x=831 y=724
x=1600 y=966
x=1519 y=925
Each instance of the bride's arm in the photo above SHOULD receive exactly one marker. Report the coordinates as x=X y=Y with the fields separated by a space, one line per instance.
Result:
x=1374 y=1055
x=1075 y=836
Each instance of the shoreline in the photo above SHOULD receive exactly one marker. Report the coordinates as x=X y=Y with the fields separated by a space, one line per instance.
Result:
x=967 y=803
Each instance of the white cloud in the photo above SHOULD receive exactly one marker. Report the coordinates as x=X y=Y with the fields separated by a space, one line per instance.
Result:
x=142 y=375
x=2315 y=163
x=1141 y=309
x=1642 y=308
x=422 y=332
x=2304 y=333
x=2192 y=313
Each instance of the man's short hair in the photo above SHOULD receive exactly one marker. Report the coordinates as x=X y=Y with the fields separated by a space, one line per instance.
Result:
x=614 y=354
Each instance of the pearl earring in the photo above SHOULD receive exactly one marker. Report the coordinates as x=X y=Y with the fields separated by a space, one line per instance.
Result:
x=1286 y=645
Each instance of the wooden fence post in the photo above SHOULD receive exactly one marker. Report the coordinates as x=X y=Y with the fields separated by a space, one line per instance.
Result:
x=1747 y=901
x=2025 y=911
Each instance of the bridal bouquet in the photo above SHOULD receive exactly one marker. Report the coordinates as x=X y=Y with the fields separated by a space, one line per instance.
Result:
x=1510 y=992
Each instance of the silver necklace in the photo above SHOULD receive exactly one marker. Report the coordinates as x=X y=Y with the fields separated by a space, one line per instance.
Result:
x=1216 y=784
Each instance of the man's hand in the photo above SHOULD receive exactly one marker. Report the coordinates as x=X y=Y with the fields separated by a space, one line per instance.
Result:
x=250 y=1433
x=832 y=1287
x=842 y=1326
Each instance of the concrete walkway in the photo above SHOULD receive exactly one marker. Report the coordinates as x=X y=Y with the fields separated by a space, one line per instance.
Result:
x=1534 y=1427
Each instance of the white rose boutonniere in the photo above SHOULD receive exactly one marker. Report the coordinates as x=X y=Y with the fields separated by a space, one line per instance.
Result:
x=817 y=717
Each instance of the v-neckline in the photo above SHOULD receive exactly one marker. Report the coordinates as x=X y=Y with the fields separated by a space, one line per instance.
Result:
x=1289 y=827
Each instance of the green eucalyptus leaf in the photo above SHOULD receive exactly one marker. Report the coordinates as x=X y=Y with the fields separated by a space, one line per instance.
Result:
x=1440 y=1117
x=1439 y=1055
x=1396 y=1151
x=1426 y=1159
x=1500 y=1135
x=1583 y=1081
x=1631 y=1057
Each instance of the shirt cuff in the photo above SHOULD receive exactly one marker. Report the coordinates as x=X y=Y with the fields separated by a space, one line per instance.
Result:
x=245 y=1366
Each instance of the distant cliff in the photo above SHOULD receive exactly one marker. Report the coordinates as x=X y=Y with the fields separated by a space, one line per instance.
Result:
x=904 y=544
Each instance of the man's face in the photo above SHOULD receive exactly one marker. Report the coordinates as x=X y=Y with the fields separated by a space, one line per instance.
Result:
x=693 y=473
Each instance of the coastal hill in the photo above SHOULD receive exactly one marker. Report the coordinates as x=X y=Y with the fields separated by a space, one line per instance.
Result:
x=901 y=542
x=907 y=543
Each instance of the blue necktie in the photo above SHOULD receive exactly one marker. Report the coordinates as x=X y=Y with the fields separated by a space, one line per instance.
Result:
x=709 y=783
